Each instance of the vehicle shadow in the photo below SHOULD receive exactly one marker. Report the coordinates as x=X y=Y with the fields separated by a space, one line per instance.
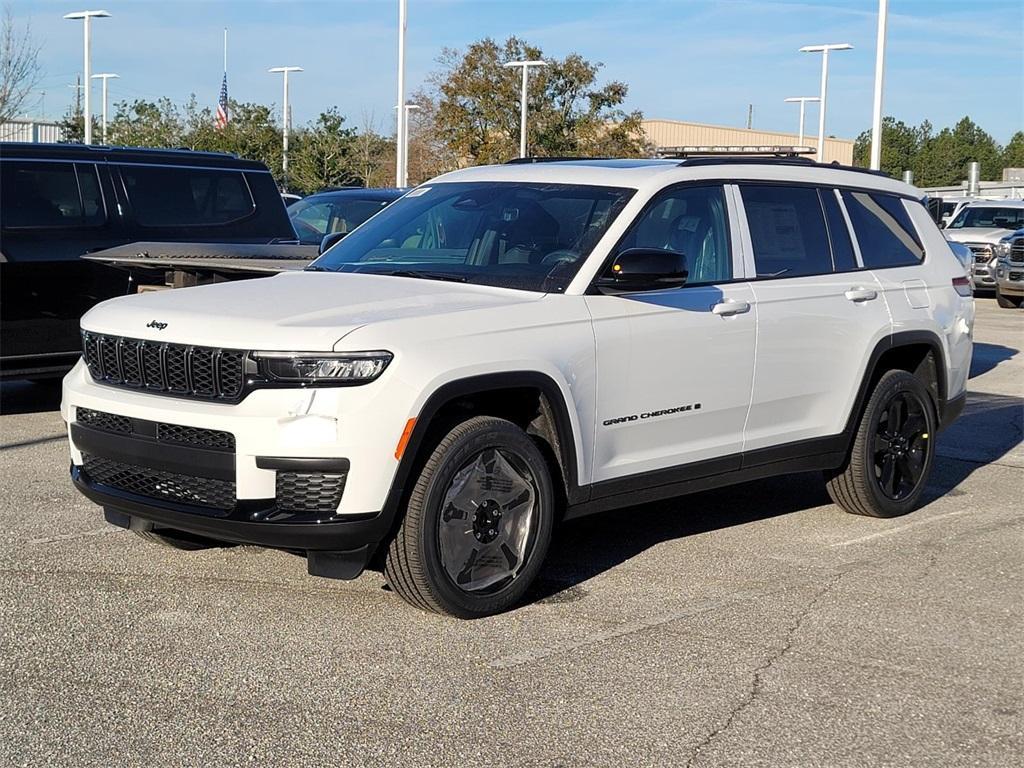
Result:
x=29 y=397
x=990 y=426
x=988 y=356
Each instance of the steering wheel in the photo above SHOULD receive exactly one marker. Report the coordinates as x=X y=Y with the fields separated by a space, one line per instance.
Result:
x=563 y=256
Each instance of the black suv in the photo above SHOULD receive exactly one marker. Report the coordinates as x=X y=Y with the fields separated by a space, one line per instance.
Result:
x=59 y=201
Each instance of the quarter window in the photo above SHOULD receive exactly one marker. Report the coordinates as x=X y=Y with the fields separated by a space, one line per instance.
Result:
x=692 y=221
x=884 y=232
x=50 y=195
x=843 y=258
x=787 y=230
x=186 y=197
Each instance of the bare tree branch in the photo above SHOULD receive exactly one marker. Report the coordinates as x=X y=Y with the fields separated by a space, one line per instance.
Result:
x=19 y=66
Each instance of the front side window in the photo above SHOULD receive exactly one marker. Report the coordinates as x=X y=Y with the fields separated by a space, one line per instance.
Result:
x=787 y=231
x=186 y=197
x=50 y=195
x=531 y=236
x=690 y=220
x=989 y=217
x=883 y=228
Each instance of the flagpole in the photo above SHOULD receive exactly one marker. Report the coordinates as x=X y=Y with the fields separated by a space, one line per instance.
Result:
x=225 y=50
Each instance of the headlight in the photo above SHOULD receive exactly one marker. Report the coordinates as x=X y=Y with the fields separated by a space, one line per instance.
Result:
x=1001 y=250
x=323 y=367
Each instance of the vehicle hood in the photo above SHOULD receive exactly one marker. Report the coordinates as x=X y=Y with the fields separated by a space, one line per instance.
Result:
x=303 y=311
x=977 y=234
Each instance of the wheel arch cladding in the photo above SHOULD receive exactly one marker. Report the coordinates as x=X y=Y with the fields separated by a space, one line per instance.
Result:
x=529 y=399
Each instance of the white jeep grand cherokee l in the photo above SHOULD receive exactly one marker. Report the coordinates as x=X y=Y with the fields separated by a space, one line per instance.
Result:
x=506 y=347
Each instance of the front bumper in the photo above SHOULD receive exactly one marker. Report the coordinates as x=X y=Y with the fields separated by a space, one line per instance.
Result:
x=1010 y=278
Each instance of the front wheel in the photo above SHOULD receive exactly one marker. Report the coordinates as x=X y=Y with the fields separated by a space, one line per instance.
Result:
x=478 y=522
x=891 y=456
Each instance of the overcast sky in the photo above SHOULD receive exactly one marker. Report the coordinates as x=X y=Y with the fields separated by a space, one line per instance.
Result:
x=698 y=60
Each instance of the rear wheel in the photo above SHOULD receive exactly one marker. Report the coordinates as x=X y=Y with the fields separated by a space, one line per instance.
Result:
x=478 y=522
x=891 y=457
x=1008 y=302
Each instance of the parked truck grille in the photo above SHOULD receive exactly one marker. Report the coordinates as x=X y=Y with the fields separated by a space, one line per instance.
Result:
x=214 y=495
x=177 y=369
x=1017 y=250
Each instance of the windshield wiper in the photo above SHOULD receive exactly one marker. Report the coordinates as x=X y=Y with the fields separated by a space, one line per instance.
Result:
x=421 y=273
x=316 y=268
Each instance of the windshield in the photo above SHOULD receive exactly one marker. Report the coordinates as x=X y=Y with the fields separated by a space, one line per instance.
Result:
x=315 y=217
x=989 y=217
x=530 y=236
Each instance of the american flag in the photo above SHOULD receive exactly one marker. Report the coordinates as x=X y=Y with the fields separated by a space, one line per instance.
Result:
x=222 y=104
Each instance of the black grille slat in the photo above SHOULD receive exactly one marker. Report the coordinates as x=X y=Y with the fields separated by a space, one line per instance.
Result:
x=176 y=369
x=152 y=365
x=309 y=491
x=230 y=372
x=201 y=370
x=131 y=365
x=91 y=353
x=108 y=357
x=201 y=492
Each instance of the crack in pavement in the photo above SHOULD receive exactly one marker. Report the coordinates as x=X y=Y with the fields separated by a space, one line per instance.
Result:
x=757 y=680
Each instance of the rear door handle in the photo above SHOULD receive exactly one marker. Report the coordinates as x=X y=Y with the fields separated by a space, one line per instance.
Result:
x=861 y=294
x=730 y=307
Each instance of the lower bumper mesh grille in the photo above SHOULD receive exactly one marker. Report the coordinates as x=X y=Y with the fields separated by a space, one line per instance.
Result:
x=215 y=495
x=309 y=491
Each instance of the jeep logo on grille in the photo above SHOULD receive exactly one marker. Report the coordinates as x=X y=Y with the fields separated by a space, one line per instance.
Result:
x=158 y=325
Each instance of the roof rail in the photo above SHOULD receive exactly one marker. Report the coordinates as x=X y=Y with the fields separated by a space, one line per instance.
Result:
x=531 y=160
x=772 y=150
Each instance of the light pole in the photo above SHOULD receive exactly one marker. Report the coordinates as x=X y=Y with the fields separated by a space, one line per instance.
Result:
x=403 y=139
x=86 y=17
x=876 y=117
x=285 y=120
x=803 y=100
x=824 y=51
x=401 y=167
x=522 y=104
x=104 y=76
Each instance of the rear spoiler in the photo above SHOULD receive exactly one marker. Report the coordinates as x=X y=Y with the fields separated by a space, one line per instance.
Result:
x=182 y=264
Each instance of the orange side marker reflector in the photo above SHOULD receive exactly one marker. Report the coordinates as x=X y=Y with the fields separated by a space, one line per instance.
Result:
x=404 y=439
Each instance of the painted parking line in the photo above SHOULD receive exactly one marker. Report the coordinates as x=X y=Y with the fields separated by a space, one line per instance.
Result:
x=901 y=528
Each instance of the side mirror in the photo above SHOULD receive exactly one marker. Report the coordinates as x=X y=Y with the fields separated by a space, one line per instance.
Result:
x=645 y=269
x=330 y=240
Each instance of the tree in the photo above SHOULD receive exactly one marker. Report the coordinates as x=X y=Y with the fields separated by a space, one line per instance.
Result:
x=943 y=158
x=475 y=102
x=1013 y=153
x=901 y=144
x=146 y=124
x=19 y=66
x=324 y=155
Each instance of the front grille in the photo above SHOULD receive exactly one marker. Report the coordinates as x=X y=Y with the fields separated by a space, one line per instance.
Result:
x=177 y=369
x=1015 y=276
x=309 y=491
x=143 y=481
x=1017 y=250
x=214 y=439
x=982 y=252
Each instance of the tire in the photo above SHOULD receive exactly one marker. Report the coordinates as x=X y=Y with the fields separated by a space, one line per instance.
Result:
x=477 y=524
x=886 y=472
x=1008 y=302
x=168 y=537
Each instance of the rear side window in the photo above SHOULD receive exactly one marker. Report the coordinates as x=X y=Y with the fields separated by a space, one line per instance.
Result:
x=787 y=230
x=50 y=195
x=186 y=197
x=884 y=232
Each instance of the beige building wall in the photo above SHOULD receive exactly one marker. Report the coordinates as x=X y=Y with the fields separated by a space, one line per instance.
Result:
x=675 y=133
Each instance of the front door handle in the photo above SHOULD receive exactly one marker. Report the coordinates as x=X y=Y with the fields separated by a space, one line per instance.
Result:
x=861 y=294
x=730 y=307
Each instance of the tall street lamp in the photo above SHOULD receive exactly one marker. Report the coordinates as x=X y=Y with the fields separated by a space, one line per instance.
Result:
x=824 y=50
x=403 y=140
x=803 y=100
x=401 y=166
x=285 y=121
x=876 y=117
x=522 y=103
x=86 y=17
x=104 y=76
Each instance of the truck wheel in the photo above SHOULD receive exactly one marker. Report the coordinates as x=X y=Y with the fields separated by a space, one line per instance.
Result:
x=891 y=456
x=1008 y=302
x=478 y=522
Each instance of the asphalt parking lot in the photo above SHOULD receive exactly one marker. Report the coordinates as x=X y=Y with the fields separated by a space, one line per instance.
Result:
x=754 y=626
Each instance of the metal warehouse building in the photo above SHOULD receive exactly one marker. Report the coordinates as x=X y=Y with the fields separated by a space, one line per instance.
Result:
x=675 y=133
